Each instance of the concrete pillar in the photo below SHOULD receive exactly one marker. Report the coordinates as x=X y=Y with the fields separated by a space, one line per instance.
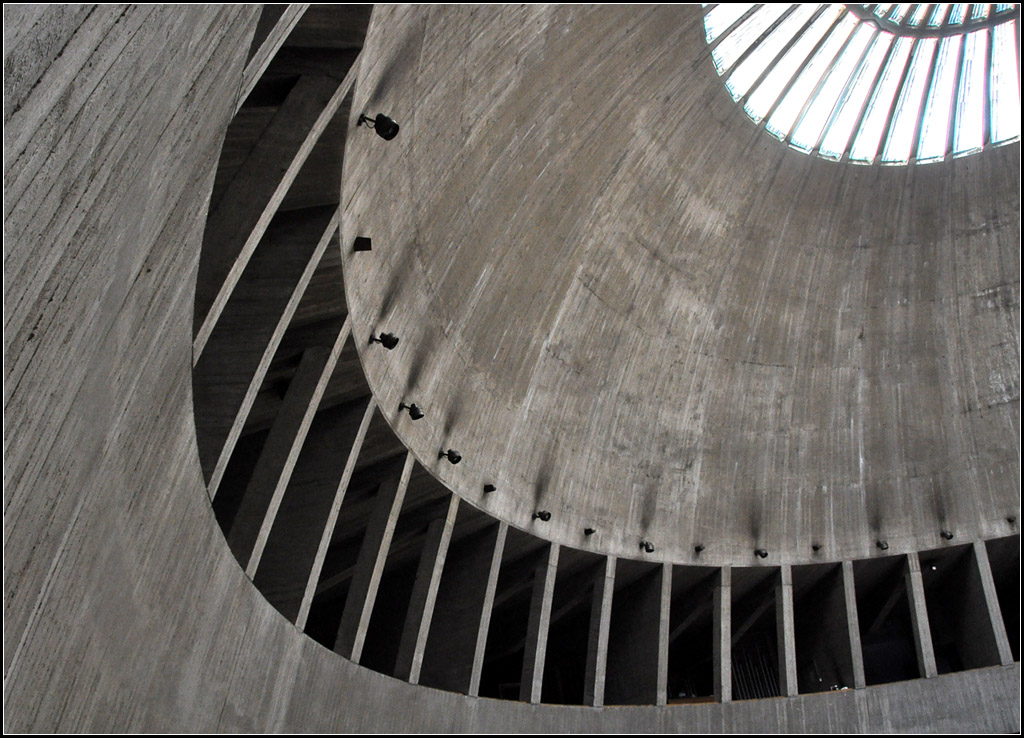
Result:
x=537 y=628
x=373 y=553
x=664 y=615
x=332 y=516
x=919 y=617
x=786 y=632
x=424 y=595
x=597 y=642
x=721 y=633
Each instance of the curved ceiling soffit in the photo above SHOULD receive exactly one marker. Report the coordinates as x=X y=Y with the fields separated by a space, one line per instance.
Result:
x=439 y=256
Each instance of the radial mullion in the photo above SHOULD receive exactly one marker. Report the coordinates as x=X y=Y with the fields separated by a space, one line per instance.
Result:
x=770 y=66
x=855 y=130
x=800 y=70
x=986 y=91
x=826 y=73
x=951 y=130
x=915 y=139
x=760 y=39
x=847 y=91
x=894 y=108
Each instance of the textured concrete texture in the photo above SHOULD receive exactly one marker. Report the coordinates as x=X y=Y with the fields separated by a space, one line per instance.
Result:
x=124 y=607
x=625 y=304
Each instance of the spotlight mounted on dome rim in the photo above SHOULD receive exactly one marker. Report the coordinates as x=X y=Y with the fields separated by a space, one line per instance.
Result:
x=387 y=340
x=542 y=515
x=451 y=454
x=647 y=546
x=414 y=410
x=761 y=553
x=381 y=124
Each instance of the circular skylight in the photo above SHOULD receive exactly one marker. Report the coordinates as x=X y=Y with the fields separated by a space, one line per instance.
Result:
x=873 y=83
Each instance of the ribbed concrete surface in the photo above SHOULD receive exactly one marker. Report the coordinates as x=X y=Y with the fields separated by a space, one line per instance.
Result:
x=624 y=304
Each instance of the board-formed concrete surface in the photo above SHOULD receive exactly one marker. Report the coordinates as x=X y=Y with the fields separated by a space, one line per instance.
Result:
x=124 y=607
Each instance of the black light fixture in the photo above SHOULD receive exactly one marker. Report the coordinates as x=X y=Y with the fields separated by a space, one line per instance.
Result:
x=387 y=340
x=1011 y=519
x=698 y=548
x=414 y=410
x=815 y=547
x=381 y=124
x=542 y=515
x=589 y=531
x=488 y=488
x=451 y=454
x=362 y=244
x=761 y=553
x=647 y=546
x=882 y=545
x=947 y=535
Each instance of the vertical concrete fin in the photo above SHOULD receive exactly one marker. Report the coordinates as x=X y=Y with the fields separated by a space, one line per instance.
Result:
x=537 y=629
x=995 y=615
x=332 y=516
x=722 y=627
x=853 y=625
x=597 y=641
x=664 y=614
x=485 y=611
x=786 y=632
x=373 y=553
x=424 y=595
x=919 y=617
x=268 y=49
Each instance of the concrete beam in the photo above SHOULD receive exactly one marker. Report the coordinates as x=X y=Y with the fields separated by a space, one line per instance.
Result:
x=424 y=595
x=919 y=617
x=373 y=553
x=664 y=616
x=268 y=49
x=991 y=602
x=537 y=628
x=597 y=640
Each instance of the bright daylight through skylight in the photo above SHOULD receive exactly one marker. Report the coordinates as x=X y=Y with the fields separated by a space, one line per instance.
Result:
x=873 y=83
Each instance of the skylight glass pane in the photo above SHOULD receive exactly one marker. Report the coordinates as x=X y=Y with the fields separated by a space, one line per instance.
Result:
x=938 y=14
x=732 y=47
x=723 y=16
x=901 y=134
x=882 y=9
x=808 y=130
x=919 y=15
x=771 y=87
x=1005 y=84
x=979 y=12
x=935 y=127
x=838 y=135
x=1003 y=7
x=752 y=67
x=957 y=14
x=785 y=115
x=865 y=145
x=968 y=133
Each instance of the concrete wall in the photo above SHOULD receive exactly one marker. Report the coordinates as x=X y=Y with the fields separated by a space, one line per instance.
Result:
x=124 y=608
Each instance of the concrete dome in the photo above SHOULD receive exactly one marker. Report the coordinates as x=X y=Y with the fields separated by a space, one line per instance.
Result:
x=622 y=304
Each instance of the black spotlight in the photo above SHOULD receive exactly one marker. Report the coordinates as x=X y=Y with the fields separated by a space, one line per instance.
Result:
x=382 y=125
x=946 y=535
x=387 y=340
x=1011 y=519
x=647 y=546
x=698 y=548
x=589 y=531
x=362 y=243
x=815 y=547
x=414 y=410
x=882 y=545
x=543 y=515
x=761 y=553
x=488 y=488
x=451 y=454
